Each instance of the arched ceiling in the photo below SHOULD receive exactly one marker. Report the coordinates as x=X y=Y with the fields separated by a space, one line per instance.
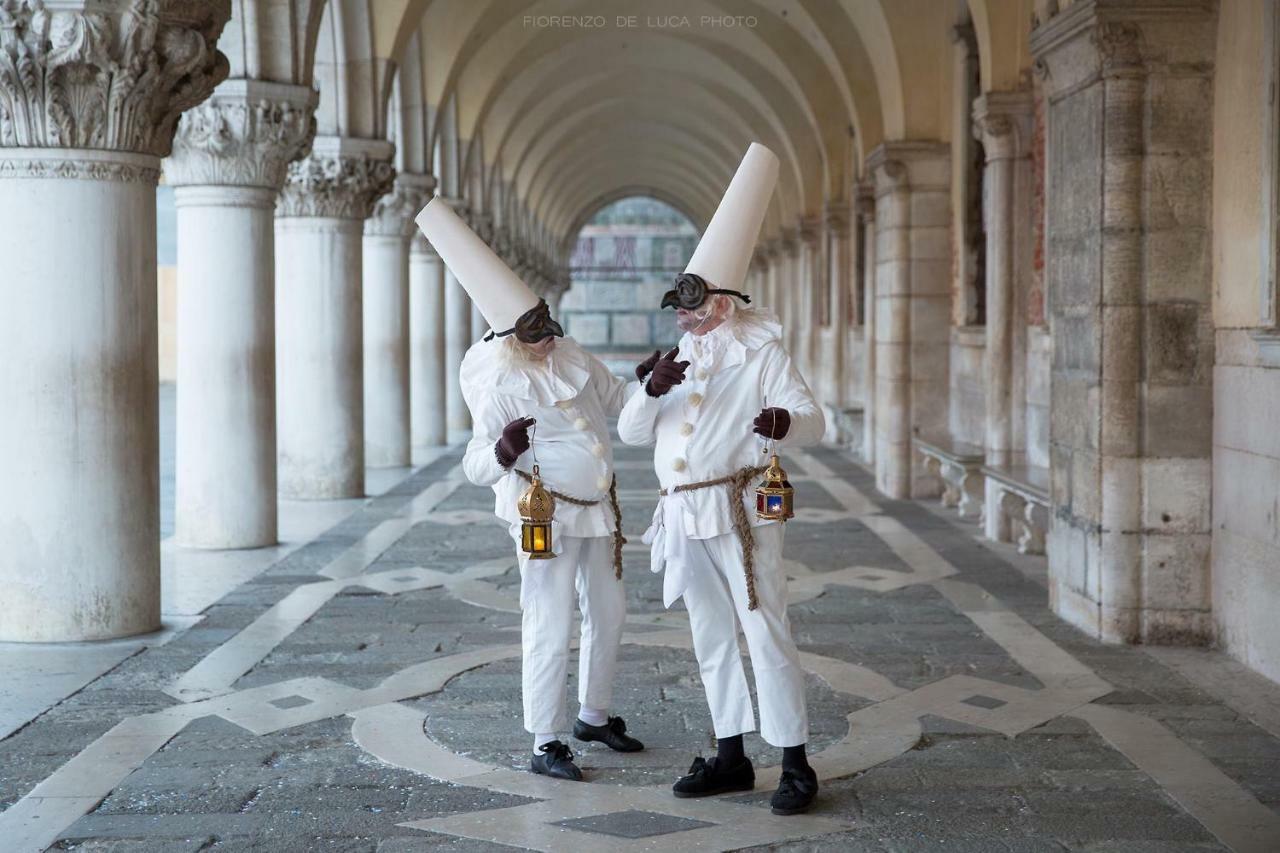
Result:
x=554 y=107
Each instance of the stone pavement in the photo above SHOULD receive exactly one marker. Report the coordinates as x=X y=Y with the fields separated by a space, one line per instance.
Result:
x=362 y=694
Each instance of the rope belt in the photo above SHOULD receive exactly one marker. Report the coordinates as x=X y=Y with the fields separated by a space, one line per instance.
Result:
x=618 y=539
x=737 y=483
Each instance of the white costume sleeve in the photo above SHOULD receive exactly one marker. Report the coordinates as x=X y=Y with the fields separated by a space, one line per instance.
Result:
x=783 y=386
x=614 y=391
x=480 y=462
x=636 y=423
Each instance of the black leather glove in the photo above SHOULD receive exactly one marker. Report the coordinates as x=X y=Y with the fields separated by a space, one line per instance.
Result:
x=667 y=373
x=773 y=423
x=645 y=367
x=514 y=441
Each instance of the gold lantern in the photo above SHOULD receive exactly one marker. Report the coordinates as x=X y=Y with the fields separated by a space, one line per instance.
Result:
x=537 y=508
x=774 y=495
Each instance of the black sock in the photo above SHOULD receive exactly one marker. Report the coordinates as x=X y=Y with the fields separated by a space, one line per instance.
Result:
x=729 y=751
x=793 y=758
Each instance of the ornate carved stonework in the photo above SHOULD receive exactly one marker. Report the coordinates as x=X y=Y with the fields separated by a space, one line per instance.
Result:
x=393 y=213
x=83 y=169
x=1002 y=121
x=331 y=182
x=116 y=78
x=245 y=135
x=837 y=217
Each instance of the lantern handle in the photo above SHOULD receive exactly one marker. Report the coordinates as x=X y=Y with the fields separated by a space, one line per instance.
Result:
x=533 y=448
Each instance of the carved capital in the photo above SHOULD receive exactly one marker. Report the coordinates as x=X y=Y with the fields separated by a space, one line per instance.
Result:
x=865 y=200
x=1002 y=121
x=393 y=213
x=1119 y=46
x=837 y=217
x=115 y=78
x=245 y=135
x=809 y=230
x=340 y=178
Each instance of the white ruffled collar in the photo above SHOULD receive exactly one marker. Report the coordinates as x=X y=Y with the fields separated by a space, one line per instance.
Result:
x=560 y=376
x=727 y=345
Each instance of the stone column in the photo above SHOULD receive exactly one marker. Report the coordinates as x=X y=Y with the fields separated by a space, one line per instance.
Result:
x=1003 y=121
x=483 y=225
x=810 y=277
x=1128 y=272
x=866 y=206
x=86 y=113
x=319 y=373
x=458 y=338
x=839 y=279
x=228 y=163
x=427 y=398
x=773 y=258
x=789 y=287
x=913 y=299
x=386 y=321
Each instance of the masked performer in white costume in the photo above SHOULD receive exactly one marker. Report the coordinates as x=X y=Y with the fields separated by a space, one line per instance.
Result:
x=710 y=415
x=525 y=376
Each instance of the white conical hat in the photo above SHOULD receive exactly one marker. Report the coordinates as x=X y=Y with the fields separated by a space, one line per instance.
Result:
x=497 y=291
x=724 y=252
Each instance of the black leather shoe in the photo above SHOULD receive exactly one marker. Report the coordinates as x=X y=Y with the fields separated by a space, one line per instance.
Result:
x=556 y=760
x=707 y=778
x=796 y=790
x=612 y=734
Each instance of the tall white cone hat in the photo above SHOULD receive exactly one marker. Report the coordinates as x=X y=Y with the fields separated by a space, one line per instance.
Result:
x=497 y=291
x=724 y=252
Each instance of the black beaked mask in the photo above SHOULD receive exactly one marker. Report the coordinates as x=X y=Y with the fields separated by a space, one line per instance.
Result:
x=691 y=291
x=534 y=325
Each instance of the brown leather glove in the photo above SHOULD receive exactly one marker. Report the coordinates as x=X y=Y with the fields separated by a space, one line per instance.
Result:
x=514 y=441
x=645 y=367
x=667 y=374
x=773 y=423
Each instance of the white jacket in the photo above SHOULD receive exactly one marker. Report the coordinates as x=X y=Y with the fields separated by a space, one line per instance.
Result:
x=703 y=428
x=570 y=394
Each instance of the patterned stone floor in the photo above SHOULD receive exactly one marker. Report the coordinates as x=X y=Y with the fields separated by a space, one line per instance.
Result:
x=362 y=694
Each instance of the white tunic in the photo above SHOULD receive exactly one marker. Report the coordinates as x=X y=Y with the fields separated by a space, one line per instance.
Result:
x=570 y=394
x=702 y=430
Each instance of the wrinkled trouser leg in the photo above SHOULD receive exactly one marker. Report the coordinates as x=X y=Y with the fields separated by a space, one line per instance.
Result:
x=784 y=716
x=546 y=593
x=784 y=719
x=715 y=642
x=603 y=602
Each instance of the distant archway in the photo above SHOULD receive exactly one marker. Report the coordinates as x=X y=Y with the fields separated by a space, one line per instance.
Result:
x=623 y=260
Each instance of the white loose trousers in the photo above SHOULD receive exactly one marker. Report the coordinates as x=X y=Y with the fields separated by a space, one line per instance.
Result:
x=546 y=601
x=716 y=591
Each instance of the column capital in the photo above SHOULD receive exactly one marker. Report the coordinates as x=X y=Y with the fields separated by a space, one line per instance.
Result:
x=836 y=216
x=915 y=164
x=809 y=230
x=1002 y=122
x=245 y=135
x=789 y=242
x=341 y=178
x=393 y=213
x=1109 y=38
x=106 y=76
x=864 y=199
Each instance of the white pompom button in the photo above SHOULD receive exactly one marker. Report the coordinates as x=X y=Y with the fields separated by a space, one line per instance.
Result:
x=686 y=429
x=581 y=423
x=701 y=375
x=679 y=464
x=564 y=404
x=695 y=399
x=602 y=483
x=598 y=450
